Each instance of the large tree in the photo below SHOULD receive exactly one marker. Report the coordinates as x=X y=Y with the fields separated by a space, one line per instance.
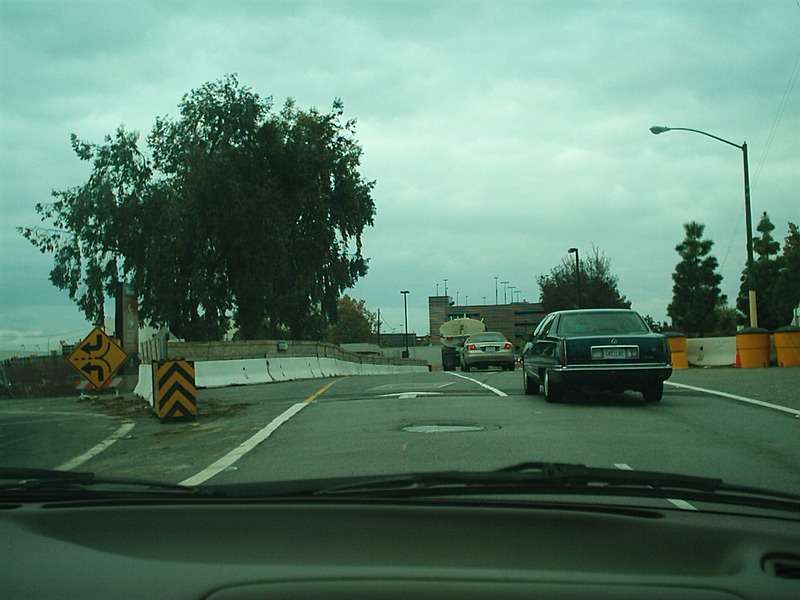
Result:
x=598 y=286
x=237 y=212
x=696 y=295
x=353 y=323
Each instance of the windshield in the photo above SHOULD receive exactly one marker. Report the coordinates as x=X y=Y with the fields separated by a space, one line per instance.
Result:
x=246 y=241
x=487 y=337
x=605 y=322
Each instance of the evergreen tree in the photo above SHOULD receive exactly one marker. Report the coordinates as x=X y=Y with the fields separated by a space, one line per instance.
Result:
x=696 y=294
x=764 y=278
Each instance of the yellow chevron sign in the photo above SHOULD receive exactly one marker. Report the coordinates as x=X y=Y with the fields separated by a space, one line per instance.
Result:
x=175 y=394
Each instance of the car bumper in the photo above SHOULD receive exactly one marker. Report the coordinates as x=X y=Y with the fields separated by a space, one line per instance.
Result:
x=488 y=358
x=612 y=376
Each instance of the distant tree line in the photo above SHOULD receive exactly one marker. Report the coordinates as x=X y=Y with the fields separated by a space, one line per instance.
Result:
x=698 y=307
x=235 y=215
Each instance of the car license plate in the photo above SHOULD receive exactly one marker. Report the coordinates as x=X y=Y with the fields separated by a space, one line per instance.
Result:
x=490 y=349
x=613 y=353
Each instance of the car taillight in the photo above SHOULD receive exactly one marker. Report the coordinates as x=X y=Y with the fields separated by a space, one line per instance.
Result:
x=507 y=345
x=667 y=351
x=472 y=347
x=563 y=354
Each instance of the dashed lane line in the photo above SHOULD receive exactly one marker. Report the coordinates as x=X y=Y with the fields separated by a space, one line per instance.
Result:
x=682 y=504
x=79 y=460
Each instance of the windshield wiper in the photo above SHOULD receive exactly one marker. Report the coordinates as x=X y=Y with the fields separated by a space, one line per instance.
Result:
x=16 y=483
x=566 y=479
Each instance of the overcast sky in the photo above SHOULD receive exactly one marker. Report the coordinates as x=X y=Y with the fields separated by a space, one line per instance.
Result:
x=500 y=133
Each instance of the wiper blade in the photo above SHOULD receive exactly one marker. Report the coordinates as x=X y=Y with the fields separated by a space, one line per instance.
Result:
x=563 y=478
x=524 y=475
x=50 y=482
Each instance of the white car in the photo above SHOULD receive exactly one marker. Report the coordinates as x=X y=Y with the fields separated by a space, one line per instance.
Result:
x=487 y=349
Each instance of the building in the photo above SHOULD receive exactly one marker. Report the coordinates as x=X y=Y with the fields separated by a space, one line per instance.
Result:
x=516 y=320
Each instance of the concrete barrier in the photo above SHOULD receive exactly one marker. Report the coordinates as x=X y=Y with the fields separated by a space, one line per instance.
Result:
x=287 y=369
x=222 y=373
x=328 y=367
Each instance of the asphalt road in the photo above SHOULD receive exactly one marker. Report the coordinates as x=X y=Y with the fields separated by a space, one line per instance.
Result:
x=419 y=422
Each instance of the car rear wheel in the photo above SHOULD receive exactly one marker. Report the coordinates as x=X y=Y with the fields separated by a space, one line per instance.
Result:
x=552 y=391
x=531 y=387
x=653 y=392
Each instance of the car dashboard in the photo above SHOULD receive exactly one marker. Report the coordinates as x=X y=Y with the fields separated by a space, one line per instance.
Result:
x=242 y=550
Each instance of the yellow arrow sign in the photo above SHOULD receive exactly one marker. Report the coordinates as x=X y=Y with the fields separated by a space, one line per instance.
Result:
x=97 y=357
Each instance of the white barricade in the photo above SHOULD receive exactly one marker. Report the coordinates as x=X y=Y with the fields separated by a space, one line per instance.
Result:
x=711 y=352
x=144 y=387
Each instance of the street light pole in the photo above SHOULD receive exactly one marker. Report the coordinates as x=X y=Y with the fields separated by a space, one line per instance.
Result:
x=577 y=274
x=504 y=284
x=405 y=312
x=655 y=130
x=495 y=290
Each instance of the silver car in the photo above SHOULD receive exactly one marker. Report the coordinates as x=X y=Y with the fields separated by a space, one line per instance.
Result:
x=482 y=350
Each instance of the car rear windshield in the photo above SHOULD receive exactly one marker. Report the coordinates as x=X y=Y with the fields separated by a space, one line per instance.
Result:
x=590 y=323
x=488 y=337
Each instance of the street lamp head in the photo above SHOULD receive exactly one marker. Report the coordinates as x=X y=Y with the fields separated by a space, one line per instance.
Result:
x=572 y=250
x=405 y=292
x=656 y=129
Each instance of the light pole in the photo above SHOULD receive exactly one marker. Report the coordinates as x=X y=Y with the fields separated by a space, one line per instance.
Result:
x=511 y=289
x=577 y=274
x=445 y=287
x=405 y=312
x=504 y=284
x=655 y=130
x=495 y=290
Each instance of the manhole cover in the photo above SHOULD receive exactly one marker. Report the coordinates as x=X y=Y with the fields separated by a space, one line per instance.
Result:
x=442 y=428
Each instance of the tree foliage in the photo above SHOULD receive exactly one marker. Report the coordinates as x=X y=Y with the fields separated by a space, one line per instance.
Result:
x=696 y=296
x=238 y=213
x=775 y=277
x=598 y=286
x=354 y=323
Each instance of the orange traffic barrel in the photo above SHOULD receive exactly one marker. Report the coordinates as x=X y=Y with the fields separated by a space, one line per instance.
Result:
x=677 y=346
x=752 y=344
x=787 y=346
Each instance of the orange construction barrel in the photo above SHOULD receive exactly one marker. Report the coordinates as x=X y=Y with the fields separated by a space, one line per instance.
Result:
x=677 y=346
x=752 y=344
x=787 y=346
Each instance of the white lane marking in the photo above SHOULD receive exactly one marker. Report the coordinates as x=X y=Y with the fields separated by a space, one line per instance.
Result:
x=438 y=387
x=679 y=503
x=245 y=447
x=682 y=504
x=480 y=383
x=791 y=411
x=79 y=460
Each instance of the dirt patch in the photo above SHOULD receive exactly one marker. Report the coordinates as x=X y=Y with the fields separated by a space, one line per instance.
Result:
x=121 y=406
